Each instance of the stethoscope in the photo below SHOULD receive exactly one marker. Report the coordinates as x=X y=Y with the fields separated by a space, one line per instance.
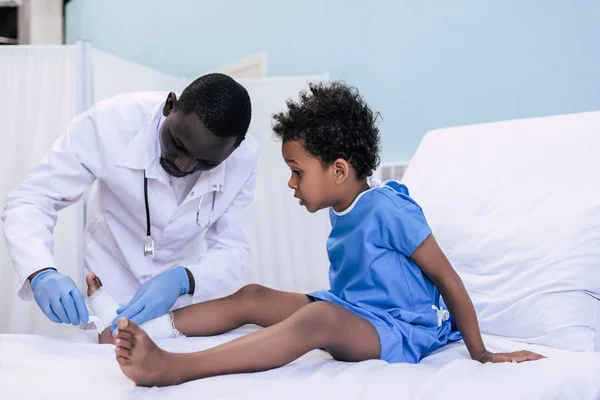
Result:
x=149 y=246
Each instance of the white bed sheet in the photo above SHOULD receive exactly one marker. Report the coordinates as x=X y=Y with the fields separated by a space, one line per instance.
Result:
x=36 y=367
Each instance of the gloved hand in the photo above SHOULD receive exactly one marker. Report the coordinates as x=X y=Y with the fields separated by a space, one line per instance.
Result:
x=59 y=298
x=155 y=297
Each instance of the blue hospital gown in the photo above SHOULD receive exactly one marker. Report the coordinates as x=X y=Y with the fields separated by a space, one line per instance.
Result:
x=372 y=274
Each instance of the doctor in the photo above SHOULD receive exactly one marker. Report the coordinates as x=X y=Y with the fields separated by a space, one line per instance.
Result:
x=168 y=170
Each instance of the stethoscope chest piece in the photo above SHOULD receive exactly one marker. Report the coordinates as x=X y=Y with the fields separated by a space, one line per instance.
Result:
x=149 y=248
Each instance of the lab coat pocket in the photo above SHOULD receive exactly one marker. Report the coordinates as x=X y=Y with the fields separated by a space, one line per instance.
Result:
x=204 y=212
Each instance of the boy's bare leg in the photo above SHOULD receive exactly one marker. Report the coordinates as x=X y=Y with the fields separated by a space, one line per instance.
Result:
x=94 y=283
x=344 y=334
x=253 y=304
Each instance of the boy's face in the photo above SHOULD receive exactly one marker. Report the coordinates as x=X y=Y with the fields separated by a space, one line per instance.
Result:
x=313 y=185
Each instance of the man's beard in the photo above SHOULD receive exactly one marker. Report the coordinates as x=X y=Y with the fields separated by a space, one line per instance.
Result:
x=171 y=168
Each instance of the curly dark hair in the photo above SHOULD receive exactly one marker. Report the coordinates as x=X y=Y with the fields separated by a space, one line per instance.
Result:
x=221 y=103
x=332 y=121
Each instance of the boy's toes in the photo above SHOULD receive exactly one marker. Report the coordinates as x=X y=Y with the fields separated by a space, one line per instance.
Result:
x=128 y=326
x=123 y=324
x=124 y=343
x=123 y=360
x=123 y=352
x=122 y=334
x=93 y=283
x=89 y=280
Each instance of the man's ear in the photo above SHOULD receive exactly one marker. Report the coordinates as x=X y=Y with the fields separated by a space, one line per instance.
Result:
x=341 y=171
x=170 y=104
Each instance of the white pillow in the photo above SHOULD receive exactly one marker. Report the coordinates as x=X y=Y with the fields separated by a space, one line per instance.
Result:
x=516 y=208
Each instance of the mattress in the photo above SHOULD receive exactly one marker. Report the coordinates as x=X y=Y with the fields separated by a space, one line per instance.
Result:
x=37 y=367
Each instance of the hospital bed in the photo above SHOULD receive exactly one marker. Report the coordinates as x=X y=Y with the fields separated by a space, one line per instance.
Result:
x=34 y=367
x=516 y=207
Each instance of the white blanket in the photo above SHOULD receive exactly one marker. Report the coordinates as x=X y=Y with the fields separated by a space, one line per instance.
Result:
x=36 y=367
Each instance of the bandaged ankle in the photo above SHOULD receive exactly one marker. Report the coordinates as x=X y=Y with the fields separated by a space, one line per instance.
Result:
x=161 y=327
x=103 y=310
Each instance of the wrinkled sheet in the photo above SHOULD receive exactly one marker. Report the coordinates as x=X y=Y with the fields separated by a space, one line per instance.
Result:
x=38 y=367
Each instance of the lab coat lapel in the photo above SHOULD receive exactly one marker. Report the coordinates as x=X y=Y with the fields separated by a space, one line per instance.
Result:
x=143 y=154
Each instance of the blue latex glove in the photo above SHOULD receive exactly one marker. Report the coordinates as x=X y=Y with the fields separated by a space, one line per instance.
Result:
x=59 y=298
x=155 y=297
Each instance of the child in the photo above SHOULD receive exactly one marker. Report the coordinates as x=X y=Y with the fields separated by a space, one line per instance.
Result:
x=386 y=273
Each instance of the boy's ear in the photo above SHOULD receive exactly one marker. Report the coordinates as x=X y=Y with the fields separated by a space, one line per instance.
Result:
x=341 y=171
x=169 y=104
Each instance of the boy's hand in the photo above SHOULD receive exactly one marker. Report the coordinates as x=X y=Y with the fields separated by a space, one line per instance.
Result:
x=514 y=357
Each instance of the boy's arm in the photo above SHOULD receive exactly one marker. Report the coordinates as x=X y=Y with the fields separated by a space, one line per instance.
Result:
x=433 y=262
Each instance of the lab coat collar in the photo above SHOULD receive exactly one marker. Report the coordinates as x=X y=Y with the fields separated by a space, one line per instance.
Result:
x=143 y=150
x=143 y=153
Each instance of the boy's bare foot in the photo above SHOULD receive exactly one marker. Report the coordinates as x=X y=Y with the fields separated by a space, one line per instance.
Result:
x=142 y=361
x=94 y=283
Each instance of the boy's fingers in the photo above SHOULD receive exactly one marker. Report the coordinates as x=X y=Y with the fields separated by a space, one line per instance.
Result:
x=524 y=355
x=535 y=356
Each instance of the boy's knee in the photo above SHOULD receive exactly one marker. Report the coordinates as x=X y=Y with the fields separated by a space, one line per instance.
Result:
x=251 y=292
x=319 y=318
x=250 y=297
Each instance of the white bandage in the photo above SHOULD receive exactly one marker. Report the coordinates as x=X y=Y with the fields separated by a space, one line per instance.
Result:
x=161 y=327
x=103 y=310
x=102 y=306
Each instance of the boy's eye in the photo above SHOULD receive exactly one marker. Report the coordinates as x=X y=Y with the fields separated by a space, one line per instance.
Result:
x=299 y=173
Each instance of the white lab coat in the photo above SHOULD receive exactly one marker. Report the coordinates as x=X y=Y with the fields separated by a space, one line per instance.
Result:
x=112 y=144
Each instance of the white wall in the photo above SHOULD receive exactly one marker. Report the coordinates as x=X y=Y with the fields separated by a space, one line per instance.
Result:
x=423 y=64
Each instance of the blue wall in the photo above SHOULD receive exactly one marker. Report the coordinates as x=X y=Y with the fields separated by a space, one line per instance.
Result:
x=423 y=64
